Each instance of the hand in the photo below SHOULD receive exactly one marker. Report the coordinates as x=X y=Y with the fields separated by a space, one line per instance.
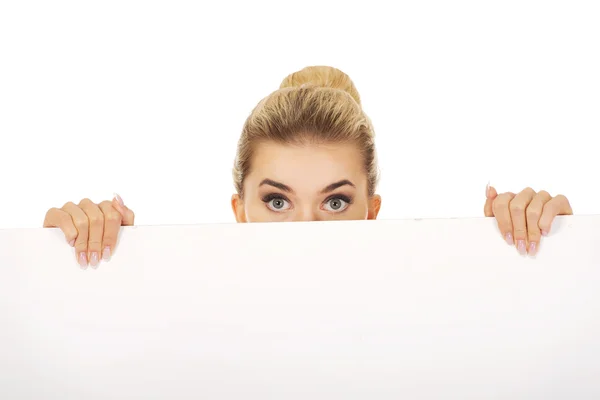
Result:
x=91 y=228
x=523 y=218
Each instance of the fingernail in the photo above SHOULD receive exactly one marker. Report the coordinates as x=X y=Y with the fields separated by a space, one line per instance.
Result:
x=94 y=259
x=106 y=253
x=521 y=247
x=544 y=233
x=119 y=200
x=509 y=239
x=72 y=243
x=487 y=190
x=532 y=248
x=83 y=260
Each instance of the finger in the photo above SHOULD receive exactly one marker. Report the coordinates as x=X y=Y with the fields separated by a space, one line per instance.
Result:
x=502 y=214
x=558 y=205
x=517 y=207
x=112 y=227
x=96 y=230
x=57 y=218
x=80 y=220
x=534 y=212
x=490 y=194
x=126 y=213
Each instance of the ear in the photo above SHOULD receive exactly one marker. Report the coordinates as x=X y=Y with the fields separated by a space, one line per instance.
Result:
x=237 y=205
x=374 y=206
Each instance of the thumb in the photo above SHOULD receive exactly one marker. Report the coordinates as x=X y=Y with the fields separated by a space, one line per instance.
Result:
x=126 y=213
x=490 y=194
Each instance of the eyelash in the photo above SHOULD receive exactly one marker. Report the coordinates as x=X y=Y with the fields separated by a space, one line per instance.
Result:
x=272 y=196
x=342 y=197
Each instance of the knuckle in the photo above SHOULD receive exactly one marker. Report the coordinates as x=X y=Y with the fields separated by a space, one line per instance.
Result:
x=80 y=245
x=105 y=203
x=544 y=194
x=96 y=220
x=534 y=213
x=500 y=201
x=65 y=219
x=94 y=244
x=562 y=198
x=81 y=224
x=68 y=204
x=517 y=207
x=111 y=234
x=528 y=191
x=109 y=240
x=113 y=217
x=51 y=212
x=535 y=237
x=505 y=198
x=86 y=201
x=549 y=207
x=53 y=218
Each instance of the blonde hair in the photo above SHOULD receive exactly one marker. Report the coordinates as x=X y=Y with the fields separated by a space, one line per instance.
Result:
x=314 y=105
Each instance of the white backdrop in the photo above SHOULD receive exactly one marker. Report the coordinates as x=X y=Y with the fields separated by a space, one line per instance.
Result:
x=147 y=99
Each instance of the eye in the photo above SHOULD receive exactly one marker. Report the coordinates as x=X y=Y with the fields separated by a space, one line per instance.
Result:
x=336 y=204
x=277 y=203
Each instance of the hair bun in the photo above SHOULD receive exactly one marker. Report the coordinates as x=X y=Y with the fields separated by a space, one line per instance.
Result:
x=322 y=76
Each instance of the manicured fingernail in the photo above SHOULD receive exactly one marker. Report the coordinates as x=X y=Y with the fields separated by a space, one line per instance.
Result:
x=72 y=243
x=521 y=247
x=487 y=190
x=106 y=253
x=544 y=233
x=119 y=200
x=532 y=248
x=83 y=260
x=509 y=239
x=94 y=259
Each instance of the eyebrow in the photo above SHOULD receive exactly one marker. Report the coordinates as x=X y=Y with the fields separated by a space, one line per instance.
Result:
x=286 y=188
x=335 y=185
x=278 y=185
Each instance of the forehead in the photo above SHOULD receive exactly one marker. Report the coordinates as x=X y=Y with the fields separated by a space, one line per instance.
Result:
x=318 y=163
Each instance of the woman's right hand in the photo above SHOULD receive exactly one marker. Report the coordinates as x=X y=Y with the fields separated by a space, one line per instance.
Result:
x=91 y=228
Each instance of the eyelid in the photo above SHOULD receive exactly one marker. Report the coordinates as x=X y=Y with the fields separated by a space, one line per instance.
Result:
x=274 y=195
x=347 y=199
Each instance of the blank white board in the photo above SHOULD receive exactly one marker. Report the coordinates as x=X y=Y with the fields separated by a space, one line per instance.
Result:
x=415 y=309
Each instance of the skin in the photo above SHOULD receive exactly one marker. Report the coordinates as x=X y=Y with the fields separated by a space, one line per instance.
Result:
x=525 y=217
x=304 y=183
x=298 y=183
x=92 y=229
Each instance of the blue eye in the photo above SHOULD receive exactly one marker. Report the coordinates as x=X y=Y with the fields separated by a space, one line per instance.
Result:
x=276 y=203
x=336 y=204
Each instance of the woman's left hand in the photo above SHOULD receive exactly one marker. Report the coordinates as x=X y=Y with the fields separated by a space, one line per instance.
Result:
x=524 y=217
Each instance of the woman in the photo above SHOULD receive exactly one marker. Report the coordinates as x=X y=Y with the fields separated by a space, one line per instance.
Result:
x=306 y=153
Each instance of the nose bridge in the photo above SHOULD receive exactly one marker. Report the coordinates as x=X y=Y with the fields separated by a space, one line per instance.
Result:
x=307 y=212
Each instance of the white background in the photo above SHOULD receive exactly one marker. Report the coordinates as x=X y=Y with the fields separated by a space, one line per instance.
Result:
x=147 y=99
